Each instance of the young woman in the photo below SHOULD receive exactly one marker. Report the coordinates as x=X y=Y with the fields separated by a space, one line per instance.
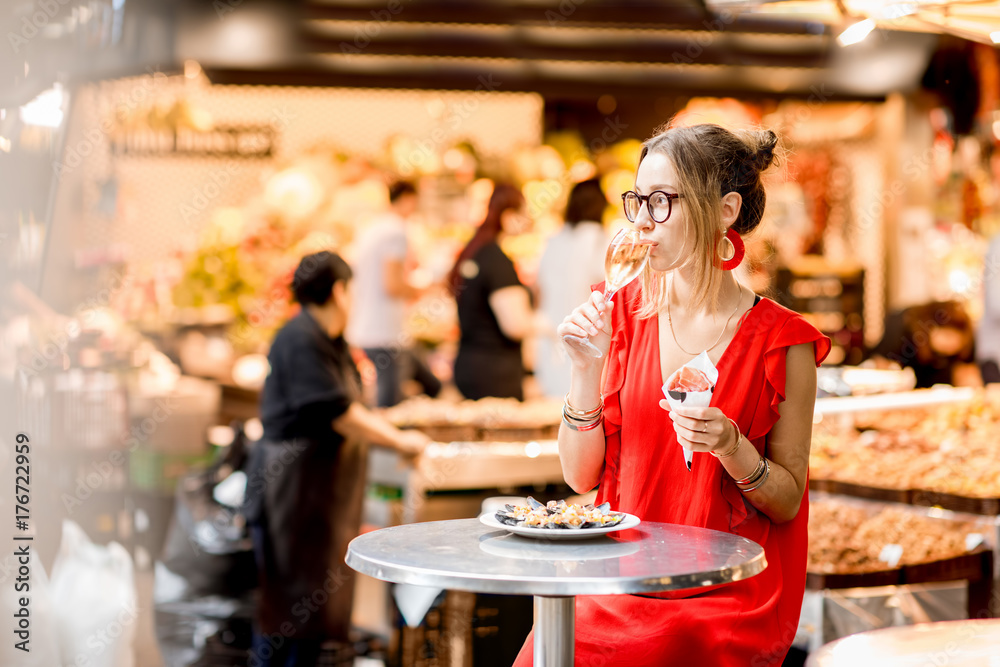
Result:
x=494 y=308
x=697 y=189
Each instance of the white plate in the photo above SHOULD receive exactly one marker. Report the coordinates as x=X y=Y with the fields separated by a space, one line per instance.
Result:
x=630 y=521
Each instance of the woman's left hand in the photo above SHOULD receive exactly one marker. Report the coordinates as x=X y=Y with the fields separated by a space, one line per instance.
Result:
x=702 y=429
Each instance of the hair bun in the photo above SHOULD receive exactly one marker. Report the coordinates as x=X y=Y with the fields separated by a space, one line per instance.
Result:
x=762 y=145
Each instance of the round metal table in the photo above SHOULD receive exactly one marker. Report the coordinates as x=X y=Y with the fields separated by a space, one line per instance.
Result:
x=953 y=643
x=466 y=555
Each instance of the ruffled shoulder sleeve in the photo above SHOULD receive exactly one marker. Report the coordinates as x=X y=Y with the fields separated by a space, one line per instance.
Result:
x=785 y=329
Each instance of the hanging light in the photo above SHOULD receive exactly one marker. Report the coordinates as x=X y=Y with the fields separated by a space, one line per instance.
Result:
x=856 y=32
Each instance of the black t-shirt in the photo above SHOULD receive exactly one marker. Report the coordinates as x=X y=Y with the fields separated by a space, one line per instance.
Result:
x=313 y=380
x=488 y=271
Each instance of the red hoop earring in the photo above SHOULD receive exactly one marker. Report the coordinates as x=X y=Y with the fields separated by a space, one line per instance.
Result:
x=739 y=250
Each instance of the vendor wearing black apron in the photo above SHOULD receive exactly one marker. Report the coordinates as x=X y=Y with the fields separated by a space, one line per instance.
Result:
x=308 y=476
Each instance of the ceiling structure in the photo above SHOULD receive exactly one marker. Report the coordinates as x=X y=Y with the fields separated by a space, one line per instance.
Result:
x=569 y=47
x=560 y=48
x=975 y=20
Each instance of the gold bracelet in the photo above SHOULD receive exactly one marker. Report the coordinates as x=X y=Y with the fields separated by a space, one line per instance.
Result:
x=584 y=423
x=767 y=473
x=734 y=448
x=584 y=414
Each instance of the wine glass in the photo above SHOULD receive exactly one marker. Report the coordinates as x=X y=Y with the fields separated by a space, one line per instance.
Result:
x=624 y=261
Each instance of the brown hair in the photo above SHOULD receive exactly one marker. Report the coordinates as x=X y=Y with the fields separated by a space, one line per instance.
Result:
x=586 y=202
x=710 y=162
x=504 y=197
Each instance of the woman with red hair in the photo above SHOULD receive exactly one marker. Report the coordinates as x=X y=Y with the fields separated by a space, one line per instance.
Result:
x=494 y=309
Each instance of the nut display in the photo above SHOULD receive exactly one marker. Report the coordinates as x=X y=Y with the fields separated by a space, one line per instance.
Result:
x=950 y=449
x=848 y=539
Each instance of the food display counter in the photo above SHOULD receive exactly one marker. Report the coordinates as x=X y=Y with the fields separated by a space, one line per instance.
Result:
x=905 y=497
x=482 y=448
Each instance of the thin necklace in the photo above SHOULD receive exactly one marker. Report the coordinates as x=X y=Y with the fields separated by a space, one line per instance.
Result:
x=721 y=333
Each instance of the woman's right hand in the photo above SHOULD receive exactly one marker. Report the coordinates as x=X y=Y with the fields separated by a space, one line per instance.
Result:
x=591 y=319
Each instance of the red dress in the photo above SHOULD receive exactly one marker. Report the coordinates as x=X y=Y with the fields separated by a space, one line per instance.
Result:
x=747 y=624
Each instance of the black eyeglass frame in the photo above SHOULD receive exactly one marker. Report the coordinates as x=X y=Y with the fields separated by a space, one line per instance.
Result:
x=671 y=196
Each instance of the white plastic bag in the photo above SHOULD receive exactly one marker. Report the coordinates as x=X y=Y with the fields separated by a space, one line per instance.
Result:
x=94 y=599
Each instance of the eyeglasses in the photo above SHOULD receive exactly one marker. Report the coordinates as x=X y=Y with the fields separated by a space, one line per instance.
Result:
x=659 y=204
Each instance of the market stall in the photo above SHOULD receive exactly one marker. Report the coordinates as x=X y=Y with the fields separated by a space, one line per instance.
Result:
x=902 y=496
x=182 y=185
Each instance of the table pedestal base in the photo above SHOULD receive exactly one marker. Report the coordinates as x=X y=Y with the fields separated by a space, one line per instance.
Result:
x=555 y=622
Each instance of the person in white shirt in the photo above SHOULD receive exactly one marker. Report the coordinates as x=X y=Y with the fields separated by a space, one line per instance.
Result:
x=573 y=261
x=381 y=291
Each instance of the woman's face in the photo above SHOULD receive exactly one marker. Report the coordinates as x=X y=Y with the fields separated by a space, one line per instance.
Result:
x=670 y=243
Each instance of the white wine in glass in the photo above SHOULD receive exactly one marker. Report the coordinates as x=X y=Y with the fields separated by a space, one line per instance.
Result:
x=624 y=261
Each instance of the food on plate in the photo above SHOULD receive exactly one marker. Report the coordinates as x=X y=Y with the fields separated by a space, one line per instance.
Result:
x=559 y=514
x=689 y=380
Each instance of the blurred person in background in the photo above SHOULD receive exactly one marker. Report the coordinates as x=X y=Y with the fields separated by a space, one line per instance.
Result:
x=381 y=291
x=988 y=333
x=934 y=339
x=573 y=261
x=494 y=307
x=307 y=477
